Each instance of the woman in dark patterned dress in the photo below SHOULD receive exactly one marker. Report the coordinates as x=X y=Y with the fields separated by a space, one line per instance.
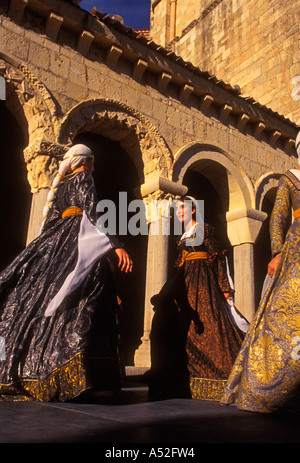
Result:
x=57 y=298
x=194 y=339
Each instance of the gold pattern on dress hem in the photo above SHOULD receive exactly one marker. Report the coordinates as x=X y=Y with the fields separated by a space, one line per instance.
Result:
x=207 y=389
x=64 y=383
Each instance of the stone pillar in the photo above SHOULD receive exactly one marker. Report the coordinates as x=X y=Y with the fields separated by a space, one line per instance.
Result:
x=36 y=214
x=156 y=275
x=157 y=254
x=244 y=279
x=243 y=226
x=42 y=160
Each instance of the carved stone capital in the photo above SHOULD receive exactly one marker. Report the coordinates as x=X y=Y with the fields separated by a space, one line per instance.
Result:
x=158 y=196
x=44 y=147
x=42 y=158
x=163 y=185
x=243 y=225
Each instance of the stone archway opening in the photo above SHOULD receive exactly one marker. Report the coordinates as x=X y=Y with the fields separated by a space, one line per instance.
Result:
x=214 y=192
x=234 y=186
x=119 y=122
x=230 y=200
x=123 y=133
x=15 y=195
x=212 y=176
x=109 y=135
x=207 y=180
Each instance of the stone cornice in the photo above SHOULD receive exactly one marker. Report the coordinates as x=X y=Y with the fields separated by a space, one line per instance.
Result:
x=121 y=42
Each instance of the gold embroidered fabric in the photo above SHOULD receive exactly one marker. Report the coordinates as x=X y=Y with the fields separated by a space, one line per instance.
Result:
x=206 y=389
x=266 y=374
x=64 y=383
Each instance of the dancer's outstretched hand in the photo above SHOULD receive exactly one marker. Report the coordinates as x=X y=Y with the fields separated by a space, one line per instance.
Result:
x=125 y=263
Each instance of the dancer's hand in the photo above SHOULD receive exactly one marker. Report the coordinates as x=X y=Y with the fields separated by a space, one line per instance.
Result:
x=125 y=263
x=273 y=265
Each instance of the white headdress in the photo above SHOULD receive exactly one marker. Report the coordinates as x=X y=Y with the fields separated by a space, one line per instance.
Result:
x=74 y=157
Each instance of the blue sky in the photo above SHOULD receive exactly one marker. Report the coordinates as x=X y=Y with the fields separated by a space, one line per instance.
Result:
x=136 y=13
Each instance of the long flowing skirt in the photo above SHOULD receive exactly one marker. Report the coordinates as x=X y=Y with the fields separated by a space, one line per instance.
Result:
x=194 y=341
x=266 y=374
x=56 y=358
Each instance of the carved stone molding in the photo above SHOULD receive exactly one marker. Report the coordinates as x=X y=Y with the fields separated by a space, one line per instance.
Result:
x=42 y=146
x=120 y=122
x=28 y=99
x=42 y=161
x=17 y=72
x=34 y=108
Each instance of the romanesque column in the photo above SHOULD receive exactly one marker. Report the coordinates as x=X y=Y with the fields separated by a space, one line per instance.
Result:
x=157 y=195
x=243 y=226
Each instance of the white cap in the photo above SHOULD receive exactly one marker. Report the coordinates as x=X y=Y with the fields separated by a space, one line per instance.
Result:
x=79 y=150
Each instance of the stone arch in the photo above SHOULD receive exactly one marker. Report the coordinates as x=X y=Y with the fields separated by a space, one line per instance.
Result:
x=117 y=121
x=36 y=112
x=265 y=185
x=243 y=220
x=235 y=188
x=15 y=107
x=39 y=108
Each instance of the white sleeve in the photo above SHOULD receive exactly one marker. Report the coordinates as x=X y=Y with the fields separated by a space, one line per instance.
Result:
x=92 y=245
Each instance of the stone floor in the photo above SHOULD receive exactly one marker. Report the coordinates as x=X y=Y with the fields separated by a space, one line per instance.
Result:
x=131 y=418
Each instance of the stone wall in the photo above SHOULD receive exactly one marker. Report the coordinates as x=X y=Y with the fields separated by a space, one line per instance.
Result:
x=253 y=44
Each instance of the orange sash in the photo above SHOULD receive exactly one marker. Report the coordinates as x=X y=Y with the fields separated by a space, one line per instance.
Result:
x=71 y=211
x=191 y=256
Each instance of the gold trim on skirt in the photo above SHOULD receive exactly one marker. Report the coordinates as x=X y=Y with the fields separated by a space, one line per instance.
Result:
x=64 y=383
x=207 y=389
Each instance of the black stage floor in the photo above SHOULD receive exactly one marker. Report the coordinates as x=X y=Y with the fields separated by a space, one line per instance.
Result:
x=130 y=417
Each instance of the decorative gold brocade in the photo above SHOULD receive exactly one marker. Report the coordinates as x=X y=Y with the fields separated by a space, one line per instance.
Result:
x=266 y=374
x=64 y=383
x=207 y=389
x=266 y=359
